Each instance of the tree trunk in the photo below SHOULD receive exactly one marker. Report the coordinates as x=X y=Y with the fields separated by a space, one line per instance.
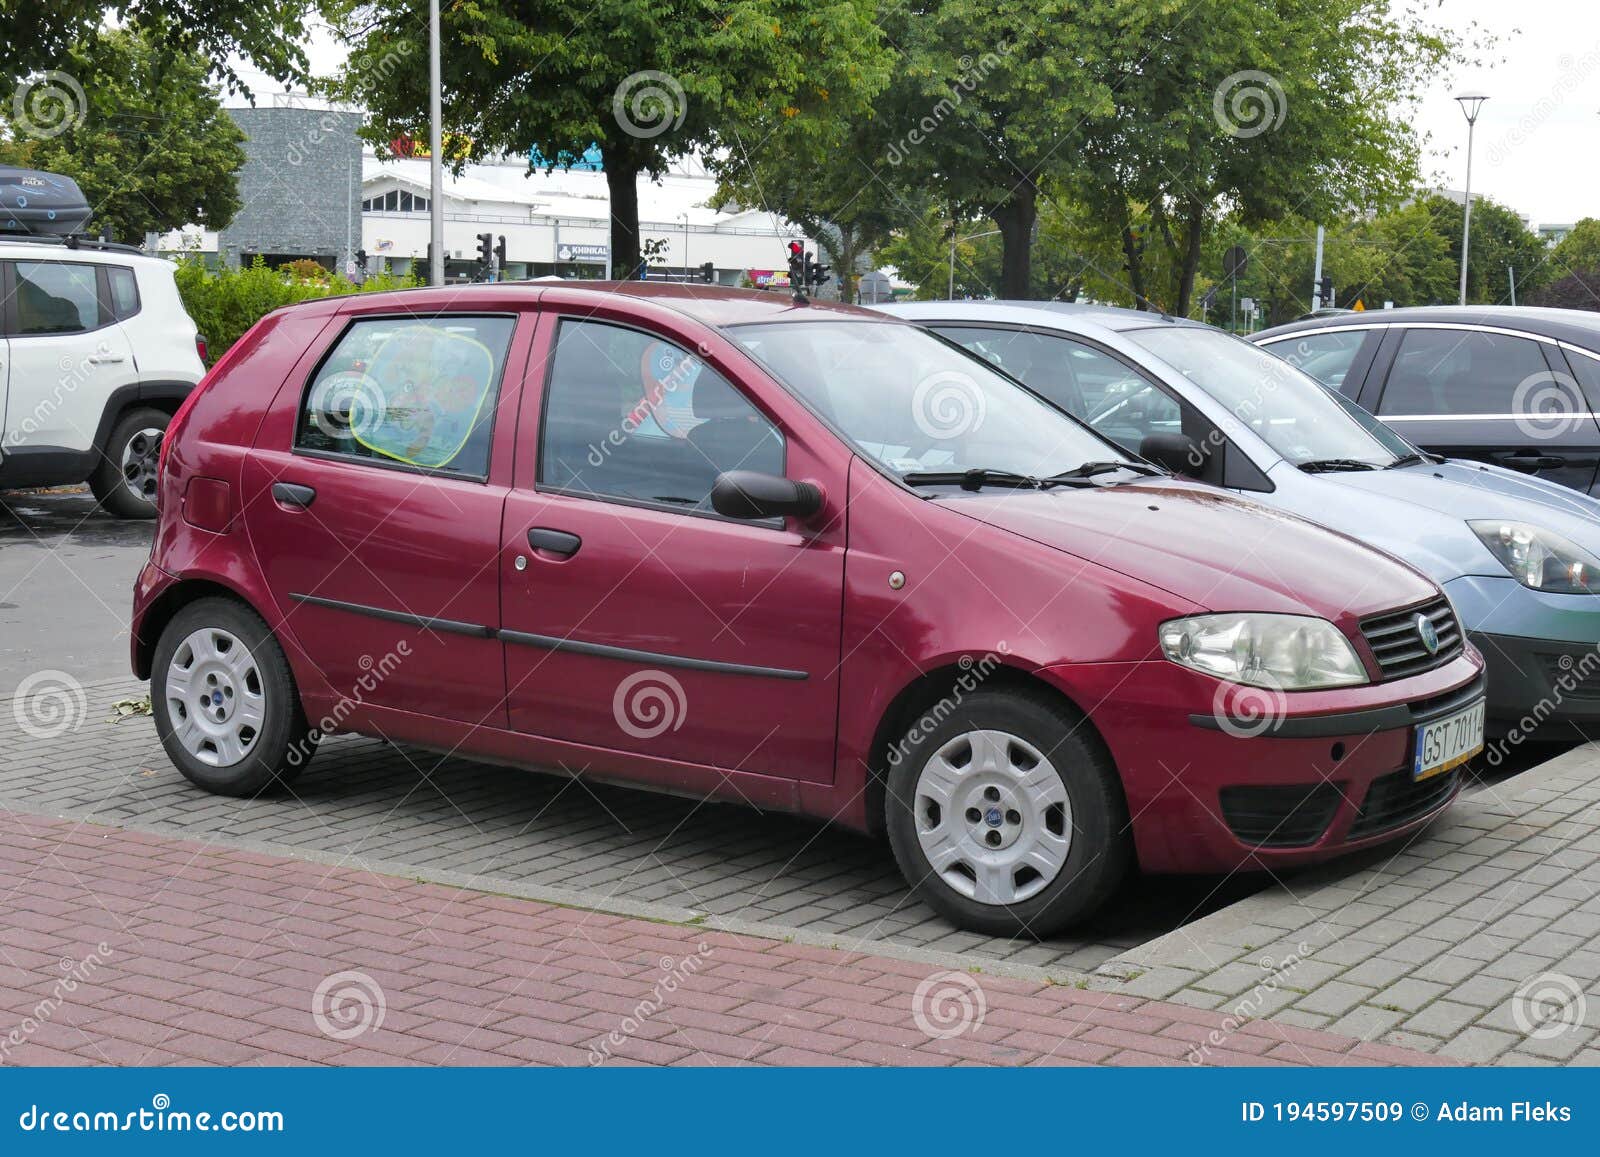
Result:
x=1135 y=265
x=1016 y=217
x=1194 y=220
x=622 y=182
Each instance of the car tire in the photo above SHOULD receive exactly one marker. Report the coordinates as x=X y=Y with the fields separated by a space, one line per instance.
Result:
x=225 y=703
x=984 y=798
x=125 y=479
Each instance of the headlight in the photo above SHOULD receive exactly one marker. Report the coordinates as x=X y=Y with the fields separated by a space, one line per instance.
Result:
x=1284 y=652
x=1540 y=559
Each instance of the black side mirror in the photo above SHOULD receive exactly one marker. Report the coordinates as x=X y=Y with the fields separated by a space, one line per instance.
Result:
x=1177 y=452
x=751 y=494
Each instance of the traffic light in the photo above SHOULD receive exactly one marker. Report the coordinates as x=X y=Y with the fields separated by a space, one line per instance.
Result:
x=361 y=260
x=797 y=265
x=485 y=251
x=500 y=253
x=708 y=273
x=816 y=273
x=1325 y=291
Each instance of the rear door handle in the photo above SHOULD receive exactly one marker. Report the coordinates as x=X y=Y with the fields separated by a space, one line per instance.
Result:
x=554 y=541
x=293 y=494
x=104 y=359
x=1531 y=461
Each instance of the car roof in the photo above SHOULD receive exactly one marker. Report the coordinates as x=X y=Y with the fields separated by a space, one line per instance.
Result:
x=1076 y=317
x=21 y=248
x=713 y=305
x=1578 y=326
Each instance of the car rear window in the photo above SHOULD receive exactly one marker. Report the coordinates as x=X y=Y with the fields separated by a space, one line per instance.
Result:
x=411 y=391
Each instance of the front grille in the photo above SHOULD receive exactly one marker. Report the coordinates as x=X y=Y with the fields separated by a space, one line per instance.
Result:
x=1395 y=800
x=1396 y=639
x=1280 y=817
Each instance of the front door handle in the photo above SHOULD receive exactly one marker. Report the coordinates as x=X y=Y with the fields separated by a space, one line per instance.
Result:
x=104 y=359
x=1531 y=462
x=554 y=541
x=293 y=494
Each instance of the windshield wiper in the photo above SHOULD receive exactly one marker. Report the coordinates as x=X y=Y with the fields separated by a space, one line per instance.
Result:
x=1320 y=465
x=1416 y=459
x=974 y=479
x=1092 y=469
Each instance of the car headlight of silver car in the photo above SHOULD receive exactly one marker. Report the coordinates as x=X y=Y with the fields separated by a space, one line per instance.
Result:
x=1540 y=559
x=1284 y=652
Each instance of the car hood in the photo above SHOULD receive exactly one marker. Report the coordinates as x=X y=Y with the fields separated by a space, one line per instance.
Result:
x=1420 y=513
x=1207 y=546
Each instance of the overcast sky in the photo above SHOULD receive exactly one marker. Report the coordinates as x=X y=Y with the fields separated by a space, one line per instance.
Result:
x=1537 y=147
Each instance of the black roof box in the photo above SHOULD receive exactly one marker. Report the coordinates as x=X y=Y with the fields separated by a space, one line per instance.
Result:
x=36 y=202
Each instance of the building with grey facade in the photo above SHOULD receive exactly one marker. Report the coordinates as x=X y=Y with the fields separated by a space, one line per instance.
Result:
x=300 y=186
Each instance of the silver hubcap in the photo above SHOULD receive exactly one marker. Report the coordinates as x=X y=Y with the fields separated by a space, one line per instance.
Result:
x=993 y=817
x=215 y=699
x=139 y=459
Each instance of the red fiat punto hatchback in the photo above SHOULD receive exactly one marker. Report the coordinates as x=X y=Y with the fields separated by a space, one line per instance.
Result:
x=806 y=557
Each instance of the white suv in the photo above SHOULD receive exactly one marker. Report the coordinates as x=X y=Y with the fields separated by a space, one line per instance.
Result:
x=96 y=353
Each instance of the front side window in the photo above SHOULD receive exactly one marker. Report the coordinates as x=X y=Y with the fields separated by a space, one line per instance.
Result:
x=1325 y=356
x=1301 y=420
x=1460 y=371
x=57 y=297
x=629 y=415
x=410 y=391
x=915 y=404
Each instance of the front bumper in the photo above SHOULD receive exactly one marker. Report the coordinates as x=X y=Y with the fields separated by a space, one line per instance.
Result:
x=1542 y=653
x=1321 y=774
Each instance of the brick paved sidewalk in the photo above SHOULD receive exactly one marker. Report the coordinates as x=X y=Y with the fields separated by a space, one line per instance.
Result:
x=128 y=948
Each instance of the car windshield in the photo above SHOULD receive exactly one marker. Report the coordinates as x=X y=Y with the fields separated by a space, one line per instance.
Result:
x=917 y=404
x=1291 y=411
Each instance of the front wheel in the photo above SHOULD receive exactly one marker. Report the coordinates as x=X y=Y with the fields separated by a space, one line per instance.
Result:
x=225 y=703
x=1007 y=816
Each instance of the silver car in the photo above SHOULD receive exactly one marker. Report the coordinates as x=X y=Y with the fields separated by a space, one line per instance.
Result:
x=1519 y=557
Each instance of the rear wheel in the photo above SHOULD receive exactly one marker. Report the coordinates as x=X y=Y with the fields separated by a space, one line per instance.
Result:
x=1007 y=816
x=125 y=480
x=225 y=703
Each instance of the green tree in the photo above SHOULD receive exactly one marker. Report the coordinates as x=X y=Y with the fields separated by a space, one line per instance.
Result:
x=152 y=150
x=1578 y=251
x=1254 y=110
x=645 y=80
x=38 y=37
x=1501 y=243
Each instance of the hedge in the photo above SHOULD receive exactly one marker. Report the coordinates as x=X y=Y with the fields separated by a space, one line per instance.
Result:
x=227 y=301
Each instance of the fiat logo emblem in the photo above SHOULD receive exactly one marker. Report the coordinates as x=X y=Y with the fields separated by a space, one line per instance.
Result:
x=1429 y=634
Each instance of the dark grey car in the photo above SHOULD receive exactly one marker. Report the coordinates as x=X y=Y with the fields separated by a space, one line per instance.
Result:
x=1515 y=386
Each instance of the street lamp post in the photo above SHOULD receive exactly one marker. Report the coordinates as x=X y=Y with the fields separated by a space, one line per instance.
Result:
x=686 y=245
x=954 y=241
x=1471 y=103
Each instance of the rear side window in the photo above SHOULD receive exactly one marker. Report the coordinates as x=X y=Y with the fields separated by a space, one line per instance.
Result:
x=1325 y=356
x=124 y=292
x=57 y=297
x=1459 y=371
x=409 y=391
x=630 y=416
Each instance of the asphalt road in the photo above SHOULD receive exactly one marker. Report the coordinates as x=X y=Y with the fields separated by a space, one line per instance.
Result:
x=66 y=584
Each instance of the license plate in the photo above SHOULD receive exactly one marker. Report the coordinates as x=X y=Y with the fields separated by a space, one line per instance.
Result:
x=1449 y=742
